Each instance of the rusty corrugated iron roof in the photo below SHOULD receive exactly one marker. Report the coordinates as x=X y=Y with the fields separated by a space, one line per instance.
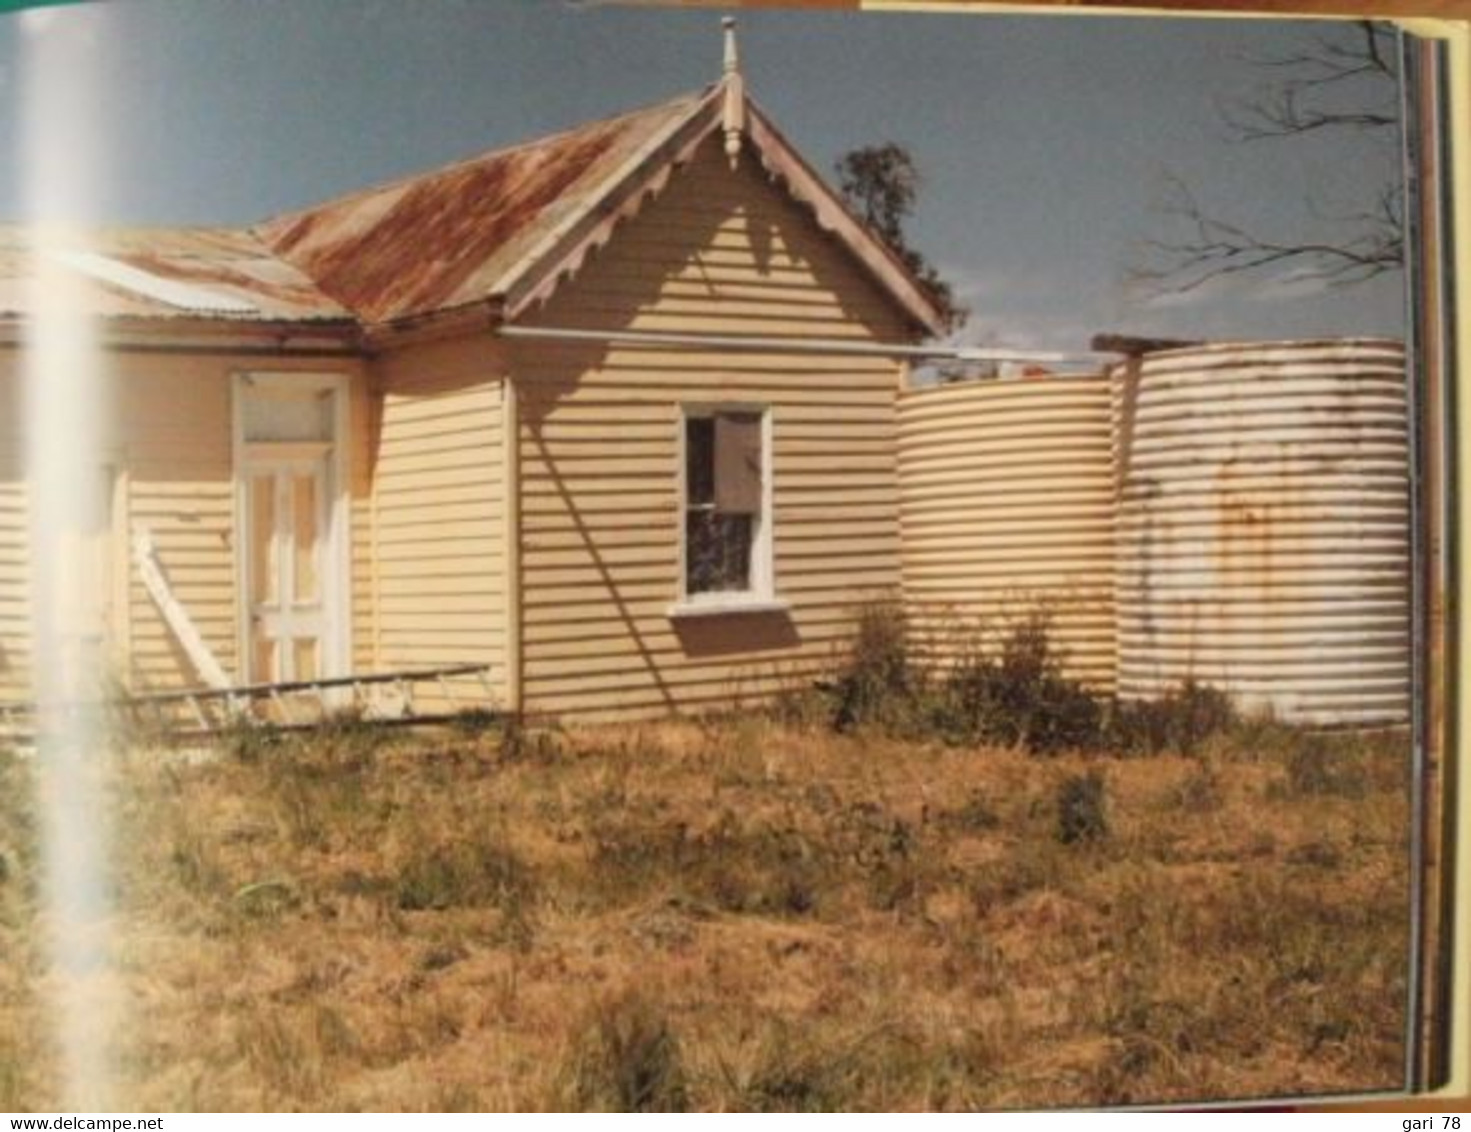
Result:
x=165 y=273
x=502 y=228
x=460 y=235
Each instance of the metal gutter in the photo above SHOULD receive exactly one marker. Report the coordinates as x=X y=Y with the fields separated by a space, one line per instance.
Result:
x=226 y=347
x=757 y=344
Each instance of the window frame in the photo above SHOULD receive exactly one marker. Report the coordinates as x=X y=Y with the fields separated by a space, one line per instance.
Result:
x=761 y=596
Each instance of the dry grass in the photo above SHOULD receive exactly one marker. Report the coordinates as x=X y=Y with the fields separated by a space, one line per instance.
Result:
x=744 y=914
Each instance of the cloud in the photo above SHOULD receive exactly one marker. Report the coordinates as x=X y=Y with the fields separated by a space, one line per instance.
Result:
x=971 y=283
x=1285 y=286
x=1300 y=284
x=1206 y=291
x=1173 y=300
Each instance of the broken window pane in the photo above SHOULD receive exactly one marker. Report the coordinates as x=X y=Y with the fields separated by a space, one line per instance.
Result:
x=699 y=457
x=718 y=552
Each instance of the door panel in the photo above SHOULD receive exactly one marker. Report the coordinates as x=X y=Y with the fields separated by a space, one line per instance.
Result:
x=306 y=543
x=264 y=555
x=286 y=509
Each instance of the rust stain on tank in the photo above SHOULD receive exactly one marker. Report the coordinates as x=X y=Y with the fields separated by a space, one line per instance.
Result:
x=1282 y=533
x=1244 y=551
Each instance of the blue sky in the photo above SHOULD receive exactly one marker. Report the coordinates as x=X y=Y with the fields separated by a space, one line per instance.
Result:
x=1046 y=142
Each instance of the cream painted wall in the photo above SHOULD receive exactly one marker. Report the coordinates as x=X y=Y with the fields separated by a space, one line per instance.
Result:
x=726 y=253
x=171 y=444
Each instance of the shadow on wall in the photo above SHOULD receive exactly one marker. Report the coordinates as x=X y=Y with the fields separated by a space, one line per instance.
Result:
x=714 y=254
x=689 y=233
x=717 y=635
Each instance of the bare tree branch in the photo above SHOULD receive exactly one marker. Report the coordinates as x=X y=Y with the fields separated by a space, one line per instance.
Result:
x=1344 y=80
x=1213 y=248
x=1347 y=82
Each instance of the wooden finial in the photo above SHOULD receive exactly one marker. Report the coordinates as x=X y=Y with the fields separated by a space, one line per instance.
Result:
x=732 y=53
x=734 y=116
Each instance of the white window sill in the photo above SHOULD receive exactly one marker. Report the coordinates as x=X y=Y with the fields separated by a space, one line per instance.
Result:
x=725 y=605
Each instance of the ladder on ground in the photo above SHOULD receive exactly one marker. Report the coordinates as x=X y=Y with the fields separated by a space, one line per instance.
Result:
x=413 y=696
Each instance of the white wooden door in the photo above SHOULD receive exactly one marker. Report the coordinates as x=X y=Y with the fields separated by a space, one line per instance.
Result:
x=286 y=515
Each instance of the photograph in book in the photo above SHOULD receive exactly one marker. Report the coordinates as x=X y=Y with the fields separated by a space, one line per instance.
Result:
x=614 y=557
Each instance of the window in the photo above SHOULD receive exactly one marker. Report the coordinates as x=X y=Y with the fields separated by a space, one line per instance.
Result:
x=726 y=539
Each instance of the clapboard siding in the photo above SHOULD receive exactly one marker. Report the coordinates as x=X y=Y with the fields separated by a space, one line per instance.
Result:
x=175 y=434
x=1007 y=511
x=169 y=445
x=439 y=510
x=15 y=631
x=717 y=253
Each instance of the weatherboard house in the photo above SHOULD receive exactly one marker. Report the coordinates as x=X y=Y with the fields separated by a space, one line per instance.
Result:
x=598 y=413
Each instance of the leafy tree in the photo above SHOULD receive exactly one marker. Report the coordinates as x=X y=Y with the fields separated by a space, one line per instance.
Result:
x=1343 y=80
x=881 y=185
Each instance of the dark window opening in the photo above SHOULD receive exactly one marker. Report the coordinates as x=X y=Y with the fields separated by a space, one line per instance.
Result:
x=723 y=497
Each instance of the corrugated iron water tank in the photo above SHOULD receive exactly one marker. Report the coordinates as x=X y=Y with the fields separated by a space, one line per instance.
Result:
x=1263 y=525
x=1007 y=508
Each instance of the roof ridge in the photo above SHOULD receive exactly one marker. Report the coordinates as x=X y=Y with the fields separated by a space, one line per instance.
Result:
x=281 y=219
